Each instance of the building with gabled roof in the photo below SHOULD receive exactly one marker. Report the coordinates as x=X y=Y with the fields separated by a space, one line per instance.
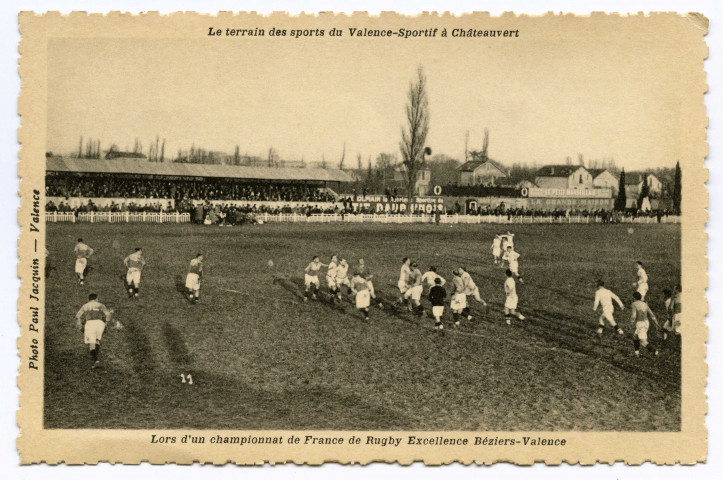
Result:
x=483 y=171
x=603 y=178
x=564 y=177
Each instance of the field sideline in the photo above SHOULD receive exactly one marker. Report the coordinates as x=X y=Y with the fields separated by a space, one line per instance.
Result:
x=262 y=359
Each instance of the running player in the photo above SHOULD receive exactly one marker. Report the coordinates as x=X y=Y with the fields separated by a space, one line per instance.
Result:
x=414 y=290
x=342 y=277
x=430 y=276
x=458 y=305
x=604 y=298
x=497 y=249
x=311 y=278
x=134 y=263
x=437 y=294
x=331 y=277
x=511 y=298
x=640 y=316
x=193 y=278
x=360 y=288
x=511 y=257
x=509 y=240
x=403 y=282
x=82 y=253
x=641 y=284
x=470 y=288
x=92 y=318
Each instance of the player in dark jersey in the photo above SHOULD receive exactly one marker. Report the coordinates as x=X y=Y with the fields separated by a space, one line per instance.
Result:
x=437 y=294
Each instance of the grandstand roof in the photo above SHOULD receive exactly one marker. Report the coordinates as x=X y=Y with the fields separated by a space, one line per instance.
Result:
x=136 y=166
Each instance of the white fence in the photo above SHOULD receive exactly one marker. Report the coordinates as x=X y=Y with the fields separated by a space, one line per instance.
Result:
x=118 y=217
x=449 y=219
x=156 y=217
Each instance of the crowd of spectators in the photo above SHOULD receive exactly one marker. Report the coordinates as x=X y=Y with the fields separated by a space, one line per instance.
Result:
x=106 y=186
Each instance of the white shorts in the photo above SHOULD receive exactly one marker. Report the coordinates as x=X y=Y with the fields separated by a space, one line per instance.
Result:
x=193 y=281
x=459 y=301
x=133 y=276
x=80 y=265
x=342 y=281
x=309 y=280
x=403 y=287
x=677 y=317
x=496 y=252
x=511 y=302
x=438 y=311
x=362 y=299
x=331 y=281
x=642 y=290
x=416 y=292
x=94 y=331
x=514 y=268
x=641 y=331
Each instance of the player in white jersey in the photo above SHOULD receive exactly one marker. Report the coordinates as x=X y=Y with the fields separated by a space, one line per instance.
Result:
x=641 y=285
x=403 y=282
x=342 y=277
x=458 y=304
x=512 y=259
x=135 y=264
x=604 y=298
x=91 y=318
x=497 y=249
x=193 y=278
x=331 y=277
x=82 y=254
x=430 y=276
x=509 y=240
x=511 y=298
x=470 y=288
x=311 y=278
x=414 y=290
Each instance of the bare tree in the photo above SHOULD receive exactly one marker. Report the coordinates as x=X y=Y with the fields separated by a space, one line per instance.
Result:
x=415 y=134
x=343 y=157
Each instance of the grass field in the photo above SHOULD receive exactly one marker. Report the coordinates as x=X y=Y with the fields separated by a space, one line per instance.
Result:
x=262 y=359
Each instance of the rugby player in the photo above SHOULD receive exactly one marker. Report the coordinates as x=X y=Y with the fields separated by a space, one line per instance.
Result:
x=360 y=288
x=311 y=278
x=673 y=307
x=437 y=294
x=430 y=276
x=134 y=263
x=511 y=298
x=458 y=304
x=413 y=294
x=604 y=298
x=511 y=258
x=641 y=284
x=497 y=249
x=193 y=278
x=92 y=318
x=470 y=288
x=366 y=274
x=641 y=314
x=342 y=277
x=403 y=282
x=331 y=277
x=82 y=254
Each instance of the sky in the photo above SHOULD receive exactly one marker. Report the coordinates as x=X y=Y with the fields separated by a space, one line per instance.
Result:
x=543 y=98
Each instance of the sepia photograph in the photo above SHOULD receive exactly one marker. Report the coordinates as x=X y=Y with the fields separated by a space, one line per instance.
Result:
x=389 y=232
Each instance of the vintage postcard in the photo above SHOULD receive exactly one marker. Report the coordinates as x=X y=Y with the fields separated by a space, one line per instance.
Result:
x=355 y=238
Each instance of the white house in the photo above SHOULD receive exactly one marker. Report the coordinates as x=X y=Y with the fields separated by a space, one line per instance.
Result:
x=602 y=178
x=480 y=172
x=634 y=184
x=564 y=176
